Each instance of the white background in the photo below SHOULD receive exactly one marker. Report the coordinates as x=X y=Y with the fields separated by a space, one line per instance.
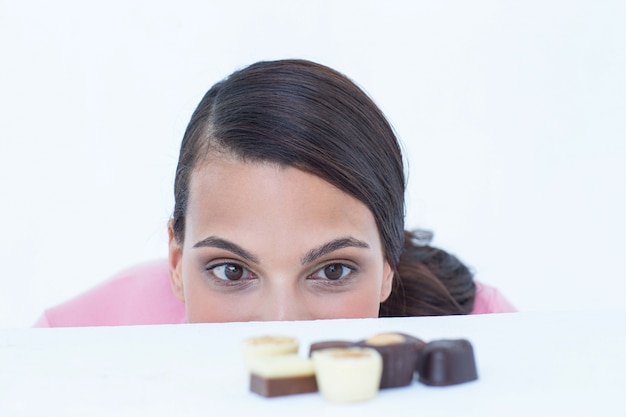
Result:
x=512 y=115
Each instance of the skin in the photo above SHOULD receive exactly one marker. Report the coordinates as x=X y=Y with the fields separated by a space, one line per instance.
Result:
x=284 y=232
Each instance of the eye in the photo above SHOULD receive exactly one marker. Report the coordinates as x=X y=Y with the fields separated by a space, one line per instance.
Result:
x=230 y=272
x=333 y=272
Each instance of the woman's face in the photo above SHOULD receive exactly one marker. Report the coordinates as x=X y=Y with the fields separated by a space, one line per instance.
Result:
x=264 y=242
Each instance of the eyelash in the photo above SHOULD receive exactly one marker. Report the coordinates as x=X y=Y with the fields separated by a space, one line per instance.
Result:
x=345 y=275
x=249 y=275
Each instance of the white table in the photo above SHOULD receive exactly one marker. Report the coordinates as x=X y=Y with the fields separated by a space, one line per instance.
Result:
x=529 y=364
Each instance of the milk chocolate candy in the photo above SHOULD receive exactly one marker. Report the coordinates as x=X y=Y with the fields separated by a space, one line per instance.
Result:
x=275 y=376
x=447 y=362
x=328 y=344
x=348 y=374
x=399 y=352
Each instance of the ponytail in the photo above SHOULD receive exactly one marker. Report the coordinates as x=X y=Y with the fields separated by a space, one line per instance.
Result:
x=429 y=281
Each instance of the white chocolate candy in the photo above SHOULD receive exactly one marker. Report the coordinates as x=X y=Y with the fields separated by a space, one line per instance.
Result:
x=348 y=374
x=281 y=366
x=269 y=345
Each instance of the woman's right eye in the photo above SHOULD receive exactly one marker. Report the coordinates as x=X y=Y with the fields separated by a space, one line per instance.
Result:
x=230 y=272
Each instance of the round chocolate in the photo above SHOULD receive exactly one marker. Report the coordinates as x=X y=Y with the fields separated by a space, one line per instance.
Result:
x=347 y=374
x=400 y=353
x=447 y=362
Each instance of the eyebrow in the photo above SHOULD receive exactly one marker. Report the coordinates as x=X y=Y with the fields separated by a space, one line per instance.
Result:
x=332 y=246
x=216 y=242
x=310 y=256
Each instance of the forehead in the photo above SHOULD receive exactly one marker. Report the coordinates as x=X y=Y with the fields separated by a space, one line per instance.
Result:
x=249 y=199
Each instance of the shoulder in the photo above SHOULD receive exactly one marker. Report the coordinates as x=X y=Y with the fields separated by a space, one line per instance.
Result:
x=138 y=295
x=489 y=300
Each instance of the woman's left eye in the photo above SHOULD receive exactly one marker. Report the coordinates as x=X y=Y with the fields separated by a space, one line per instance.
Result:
x=333 y=272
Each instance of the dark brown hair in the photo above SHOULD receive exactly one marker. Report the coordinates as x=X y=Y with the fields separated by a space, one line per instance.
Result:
x=429 y=281
x=305 y=115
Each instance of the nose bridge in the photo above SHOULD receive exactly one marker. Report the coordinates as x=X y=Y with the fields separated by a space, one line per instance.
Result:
x=282 y=300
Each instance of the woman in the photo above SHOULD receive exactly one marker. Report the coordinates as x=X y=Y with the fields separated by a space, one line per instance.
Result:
x=289 y=205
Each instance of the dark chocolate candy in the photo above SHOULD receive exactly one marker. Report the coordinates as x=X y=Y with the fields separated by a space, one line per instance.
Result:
x=280 y=386
x=329 y=344
x=447 y=362
x=400 y=353
x=419 y=343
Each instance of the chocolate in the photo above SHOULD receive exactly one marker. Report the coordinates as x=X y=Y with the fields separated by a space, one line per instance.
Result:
x=259 y=347
x=400 y=353
x=278 y=375
x=280 y=386
x=329 y=344
x=348 y=374
x=417 y=342
x=447 y=362
x=347 y=371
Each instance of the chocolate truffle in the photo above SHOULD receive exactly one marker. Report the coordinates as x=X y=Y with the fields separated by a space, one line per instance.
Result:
x=268 y=345
x=274 y=376
x=399 y=352
x=347 y=374
x=447 y=362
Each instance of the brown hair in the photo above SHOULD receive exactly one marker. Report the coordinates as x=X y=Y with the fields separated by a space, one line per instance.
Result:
x=305 y=115
x=429 y=281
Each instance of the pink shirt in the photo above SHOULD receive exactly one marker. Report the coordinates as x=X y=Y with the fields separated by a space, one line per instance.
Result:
x=143 y=295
